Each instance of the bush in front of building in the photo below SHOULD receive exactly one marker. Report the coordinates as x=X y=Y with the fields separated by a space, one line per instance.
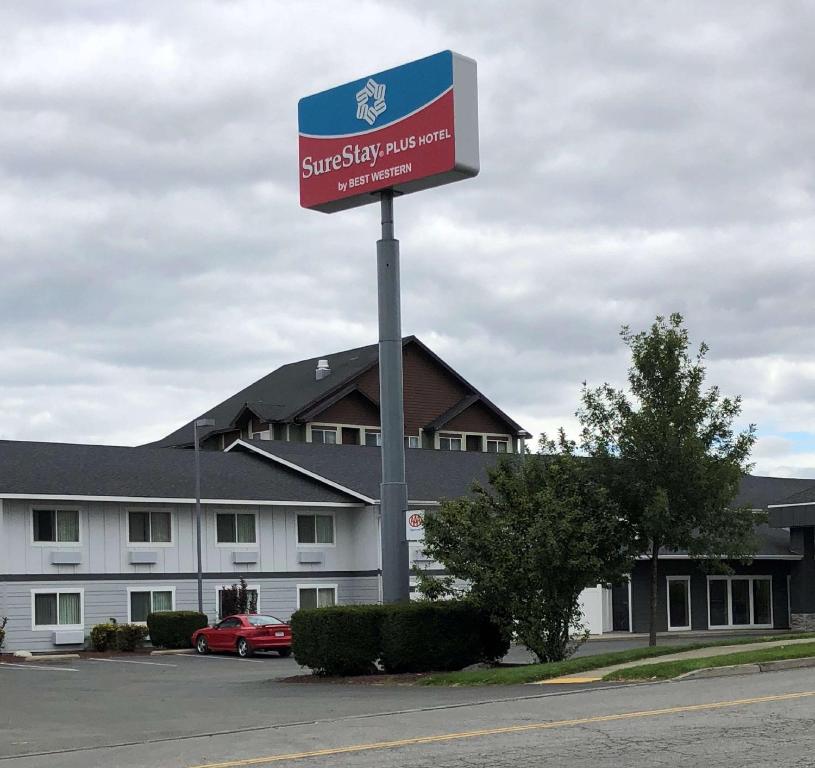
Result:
x=411 y=637
x=129 y=637
x=340 y=640
x=173 y=629
x=439 y=636
x=3 y=622
x=103 y=637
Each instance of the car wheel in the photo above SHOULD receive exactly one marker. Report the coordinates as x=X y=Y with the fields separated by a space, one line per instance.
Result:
x=244 y=649
x=284 y=652
x=201 y=645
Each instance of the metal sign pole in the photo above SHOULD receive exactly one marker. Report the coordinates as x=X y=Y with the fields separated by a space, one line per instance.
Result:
x=393 y=493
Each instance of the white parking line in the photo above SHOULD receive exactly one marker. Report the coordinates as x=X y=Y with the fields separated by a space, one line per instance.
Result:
x=131 y=661
x=37 y=666
x=225 y=658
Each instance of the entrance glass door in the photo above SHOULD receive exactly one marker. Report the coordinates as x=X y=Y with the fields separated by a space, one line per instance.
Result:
x=678 y=602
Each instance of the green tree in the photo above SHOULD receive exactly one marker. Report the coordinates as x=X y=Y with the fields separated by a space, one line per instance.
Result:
x=668 y=452
x=529 y=542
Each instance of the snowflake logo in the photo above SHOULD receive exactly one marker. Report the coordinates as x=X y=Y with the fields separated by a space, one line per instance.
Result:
x=371 y=101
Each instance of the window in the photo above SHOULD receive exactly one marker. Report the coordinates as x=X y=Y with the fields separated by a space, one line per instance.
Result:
x=316 y=596
x=412 y=441
x=678 y=602
x=327 y=435
x=235 y=528
x=373 y=437
x=152 y=527
x=57 y=609
x=145 y=601
x=740 y=601
x=450 y=442
x=56 y=525
x=497 y=445
x=265 y=435
x=315 y=529
x=252 y=599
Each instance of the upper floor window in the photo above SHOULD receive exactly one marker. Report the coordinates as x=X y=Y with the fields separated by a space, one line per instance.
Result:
x=315 y=529
x=373 y=437
x=326 y=435
x=154 y=527
x=497 y=445
x=56 y=525
x=235 y=528
x=450 y=442
x=412 y=441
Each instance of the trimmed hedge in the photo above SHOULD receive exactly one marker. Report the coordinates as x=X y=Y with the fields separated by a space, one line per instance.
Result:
x=341 y=640
x=442 y=636
x=173 y=629
x=117 y=637
x=103 y=637
x=411 y=637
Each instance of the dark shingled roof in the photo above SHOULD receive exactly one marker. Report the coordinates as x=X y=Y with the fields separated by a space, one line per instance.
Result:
x=805 y=496
x=431 y=475
x=758 y=492
x=102 y=470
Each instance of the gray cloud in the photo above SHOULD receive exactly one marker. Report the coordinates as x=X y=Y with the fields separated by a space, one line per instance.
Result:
x=635 y=160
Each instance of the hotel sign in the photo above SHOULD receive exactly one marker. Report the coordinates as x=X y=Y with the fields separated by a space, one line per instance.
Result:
x=406 y=129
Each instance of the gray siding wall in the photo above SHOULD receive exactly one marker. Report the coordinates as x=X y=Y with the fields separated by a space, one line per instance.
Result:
x=641 y=584
x=104 y=599
x=104 y=546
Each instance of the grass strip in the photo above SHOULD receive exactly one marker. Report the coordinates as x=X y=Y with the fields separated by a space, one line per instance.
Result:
x=670 y=669
x=530 y=673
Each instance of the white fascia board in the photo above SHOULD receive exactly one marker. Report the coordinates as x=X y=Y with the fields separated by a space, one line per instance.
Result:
x=797 y=504
x=302 y=470
x=688 y=557
x=177 y=500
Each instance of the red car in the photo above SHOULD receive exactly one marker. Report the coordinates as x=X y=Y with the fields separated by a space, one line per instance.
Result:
x=244 y=634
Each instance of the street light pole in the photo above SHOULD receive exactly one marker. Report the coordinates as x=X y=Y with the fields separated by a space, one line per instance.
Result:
x=199 y=423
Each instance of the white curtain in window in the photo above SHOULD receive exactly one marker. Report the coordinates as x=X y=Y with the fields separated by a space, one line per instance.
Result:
x=160 y=527
x=70 y=608
x=162 y=601
x=67 y=525
x=45 y=610
x=325 y=597
x=246 y=529
x=325 y=529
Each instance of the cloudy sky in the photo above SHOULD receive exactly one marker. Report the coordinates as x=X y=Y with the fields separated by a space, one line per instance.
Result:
x=637 y=158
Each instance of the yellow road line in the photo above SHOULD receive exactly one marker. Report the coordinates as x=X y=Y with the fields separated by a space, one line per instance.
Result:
x=566 y=680
x=329 y=751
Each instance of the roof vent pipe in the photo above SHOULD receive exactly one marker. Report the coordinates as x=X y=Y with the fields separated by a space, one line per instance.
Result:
x=322 y=369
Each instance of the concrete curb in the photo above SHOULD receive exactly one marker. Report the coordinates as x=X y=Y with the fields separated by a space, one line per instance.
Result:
x=748 y=669
x=51 y=657
x=172 y=652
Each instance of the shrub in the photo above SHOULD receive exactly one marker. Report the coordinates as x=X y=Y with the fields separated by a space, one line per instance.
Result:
x=238 y=599
x=130 y=636
x=173 y=629
x=341 y=640
x=3 y=622
x=425 y=636
x=103 y=637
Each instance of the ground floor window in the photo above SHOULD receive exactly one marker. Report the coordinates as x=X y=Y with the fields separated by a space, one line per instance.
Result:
x=739 y=601
x=57 y=609
x=316 y=596
x=143 y=602
x=226 y=600
x=678 y=602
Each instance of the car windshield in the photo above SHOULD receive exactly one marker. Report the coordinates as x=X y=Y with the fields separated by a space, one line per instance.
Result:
x=261 y=621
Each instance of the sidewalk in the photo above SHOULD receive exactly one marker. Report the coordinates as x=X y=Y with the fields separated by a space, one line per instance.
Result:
x=594 y=675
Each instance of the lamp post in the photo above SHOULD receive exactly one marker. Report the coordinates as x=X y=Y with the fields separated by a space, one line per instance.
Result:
x=199 y=423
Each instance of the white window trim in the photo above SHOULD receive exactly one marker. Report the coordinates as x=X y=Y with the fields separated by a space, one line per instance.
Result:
x=298 y=515
x=242 y=544
x=149 y=544
x=318 y=586
x=464 y=435
x=57 y=627
x=149 y=589
x=739 y=577
x=417 y=438
x=686 y=579
x=325 y=427
x=58 y=508
x=221 y=587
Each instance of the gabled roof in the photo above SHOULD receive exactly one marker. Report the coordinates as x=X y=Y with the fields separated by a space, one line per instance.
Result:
x=759 y=492
x=68 y=470
x=292 y=392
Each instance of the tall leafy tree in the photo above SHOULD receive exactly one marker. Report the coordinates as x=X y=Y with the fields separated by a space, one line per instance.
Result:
x=529 y=542
x=669 y=452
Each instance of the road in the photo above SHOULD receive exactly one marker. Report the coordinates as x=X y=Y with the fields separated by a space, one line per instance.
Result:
x=231 y=714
